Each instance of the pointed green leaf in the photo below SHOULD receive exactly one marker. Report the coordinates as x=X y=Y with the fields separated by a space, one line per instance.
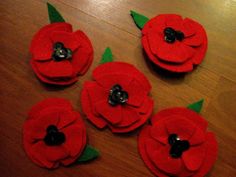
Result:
x=140 y=20
x=107 y=56
x=196 y=106
x=54 y=15
x=89 y=153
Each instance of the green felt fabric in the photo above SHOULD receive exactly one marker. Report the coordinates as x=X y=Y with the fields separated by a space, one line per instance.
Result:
x=89 y=153
x=54 y=15
x=140 y=20
x=197 y=106
x=107 y=56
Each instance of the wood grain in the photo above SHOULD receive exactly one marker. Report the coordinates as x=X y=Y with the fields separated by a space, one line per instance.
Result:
x=108 y=23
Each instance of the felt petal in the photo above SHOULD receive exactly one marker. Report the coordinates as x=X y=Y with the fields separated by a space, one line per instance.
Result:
x=165 y=162
x=175 y=52
x=123 y=69
x=41 y=45
x=58 y=81
x=144 y=118
x=136 y=93
x=142 y=139
x=68 y=39
x=74 y=143
x=129 y=117
x=211 y=155
x=193 y=158
x=184 y=112
x=112 y=114
x=159 y=132
x=146 y=106
x=188 y=27
x=54 y=69
x=184 y=67
x=67 y=118
x=108 y=81
x=83 y=56
x=49 y=102
x=198 y=137
x=48 y=155
x=87 y=109
x=180 y=126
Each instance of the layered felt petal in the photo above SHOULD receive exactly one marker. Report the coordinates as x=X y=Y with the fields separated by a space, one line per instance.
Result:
x=83 y=56
x=68 y=39
x=58 y=81
x=122 y=68
x=55 y=70
x=42 y=45
x=112 y=114
x=183 y=67
x=87 y=108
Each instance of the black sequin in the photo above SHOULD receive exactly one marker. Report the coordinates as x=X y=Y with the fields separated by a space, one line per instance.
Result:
x=53 y=137
x=60 y=52
x=117 y=95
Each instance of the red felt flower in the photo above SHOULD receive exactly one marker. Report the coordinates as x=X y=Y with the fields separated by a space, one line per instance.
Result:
x=60 y=55
x=117 y=98
x=178 y=144
x=53 y=134
x=174 y=43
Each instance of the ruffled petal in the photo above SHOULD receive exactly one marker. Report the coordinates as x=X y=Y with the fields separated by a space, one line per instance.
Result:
x=112 y=114
x=175 y=52
x=159 y=132
x=83 y=56
x=163 y=160
x=146 y=106
x=142 y=141
x=55 y=70
x=42 y=46
x=211 y=155
x=61 y=81
x=183 y=67
x=189 y=114
x=129 y=117
x=68 y=39
x=180 y=126
x=122 y=68
x=75 y=135
x=87 y=108
x=198 y=137
x=193 y=158
x=67 y=118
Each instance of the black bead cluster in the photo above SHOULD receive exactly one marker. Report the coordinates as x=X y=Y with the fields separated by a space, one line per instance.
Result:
x=171 y=35
x=53 y=136
x=60 y=52
x=117 y=95
x=177 y=146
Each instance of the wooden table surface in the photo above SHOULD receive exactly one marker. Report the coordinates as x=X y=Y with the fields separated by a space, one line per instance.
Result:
x=108 y=23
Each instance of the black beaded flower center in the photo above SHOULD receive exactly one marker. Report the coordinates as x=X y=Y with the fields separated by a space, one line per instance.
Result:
x=53 y=136
x=171 y=35
x=177 y=146
x=60 y=52
x=117 y=95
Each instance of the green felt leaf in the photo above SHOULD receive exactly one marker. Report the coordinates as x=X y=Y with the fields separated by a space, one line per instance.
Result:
x=89 y=153
x=140 y=20
x=107 y=56
x=54 y=15
x=197 y=106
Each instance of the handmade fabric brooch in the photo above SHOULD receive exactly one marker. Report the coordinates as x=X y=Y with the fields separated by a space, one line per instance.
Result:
x=60 y=55
x=171 y=42
x=177 y=143
x=55 y=134
x=117 y=97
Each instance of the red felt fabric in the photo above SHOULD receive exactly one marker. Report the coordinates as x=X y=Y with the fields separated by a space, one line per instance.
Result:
x=179 y=56
x=58 y=112
x=63 y=72
x=120 y=118
x=188 y=125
